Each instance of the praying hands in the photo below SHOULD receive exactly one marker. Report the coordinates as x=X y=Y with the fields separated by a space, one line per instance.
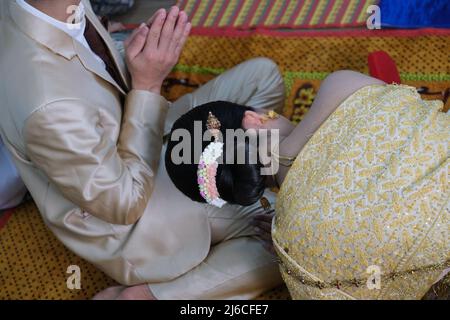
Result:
x=154 y=48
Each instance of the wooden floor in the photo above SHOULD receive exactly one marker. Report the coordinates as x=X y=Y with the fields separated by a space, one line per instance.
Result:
x=143 y=9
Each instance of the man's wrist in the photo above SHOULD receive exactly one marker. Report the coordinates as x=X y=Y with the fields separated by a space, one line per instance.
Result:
x=154 y=88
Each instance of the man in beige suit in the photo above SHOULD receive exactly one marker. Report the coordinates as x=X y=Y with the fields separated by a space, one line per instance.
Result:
x=86 y=134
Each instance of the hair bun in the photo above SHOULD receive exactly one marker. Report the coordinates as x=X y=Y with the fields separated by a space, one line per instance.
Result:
x=236 y=183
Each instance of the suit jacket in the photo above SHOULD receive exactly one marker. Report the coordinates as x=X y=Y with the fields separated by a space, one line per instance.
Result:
x=89 y=152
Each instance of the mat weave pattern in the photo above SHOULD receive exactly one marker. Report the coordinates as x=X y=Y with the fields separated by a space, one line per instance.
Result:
x=270 y=14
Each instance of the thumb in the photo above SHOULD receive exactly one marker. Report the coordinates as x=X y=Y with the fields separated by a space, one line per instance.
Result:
x=137 y=43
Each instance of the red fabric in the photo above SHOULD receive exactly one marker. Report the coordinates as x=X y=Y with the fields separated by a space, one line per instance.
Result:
x=232 y=32
x=4 y=217
x=383 y=67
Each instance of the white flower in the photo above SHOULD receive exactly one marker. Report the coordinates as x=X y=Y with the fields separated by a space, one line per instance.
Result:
x=212 y=152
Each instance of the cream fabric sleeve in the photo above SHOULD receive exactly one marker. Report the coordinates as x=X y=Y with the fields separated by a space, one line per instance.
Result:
x=75 y=145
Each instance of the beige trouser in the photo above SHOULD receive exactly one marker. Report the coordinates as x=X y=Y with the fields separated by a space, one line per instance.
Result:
x=237 y=267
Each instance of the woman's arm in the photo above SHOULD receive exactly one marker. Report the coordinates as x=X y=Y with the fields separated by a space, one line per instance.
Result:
x=333 y=91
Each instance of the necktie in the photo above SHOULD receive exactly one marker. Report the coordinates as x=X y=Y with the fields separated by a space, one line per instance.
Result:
x=99 y=47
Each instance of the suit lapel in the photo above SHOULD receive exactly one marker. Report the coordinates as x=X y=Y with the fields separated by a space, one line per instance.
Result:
x=92 y=64
x=117 y=58
x=42 y=32
x=61 y=43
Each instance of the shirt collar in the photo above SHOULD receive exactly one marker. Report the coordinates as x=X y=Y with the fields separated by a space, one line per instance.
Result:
x=74 y=30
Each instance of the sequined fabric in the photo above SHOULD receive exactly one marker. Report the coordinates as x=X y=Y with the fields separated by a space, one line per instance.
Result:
x=369 y=190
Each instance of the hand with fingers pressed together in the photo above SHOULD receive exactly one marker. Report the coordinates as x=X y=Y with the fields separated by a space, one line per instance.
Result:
x=154 y=48
x=262 y=224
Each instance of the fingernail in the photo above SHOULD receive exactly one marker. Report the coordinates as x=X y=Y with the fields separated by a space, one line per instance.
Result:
x=143 y=31
x=142 y=25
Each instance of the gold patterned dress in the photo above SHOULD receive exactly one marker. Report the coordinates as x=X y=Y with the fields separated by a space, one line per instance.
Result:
x=364 y=211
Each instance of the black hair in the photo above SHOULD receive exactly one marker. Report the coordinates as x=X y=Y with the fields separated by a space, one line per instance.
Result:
x=240 y=184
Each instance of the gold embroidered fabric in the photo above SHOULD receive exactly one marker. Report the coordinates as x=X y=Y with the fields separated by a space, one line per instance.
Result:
x=369 y=190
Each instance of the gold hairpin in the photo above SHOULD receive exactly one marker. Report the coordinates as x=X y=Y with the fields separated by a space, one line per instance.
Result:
x=270 y=115
x=265 y=204
x=213 y=125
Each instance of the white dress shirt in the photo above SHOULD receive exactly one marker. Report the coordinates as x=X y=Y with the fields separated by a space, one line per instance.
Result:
x=75 y=30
